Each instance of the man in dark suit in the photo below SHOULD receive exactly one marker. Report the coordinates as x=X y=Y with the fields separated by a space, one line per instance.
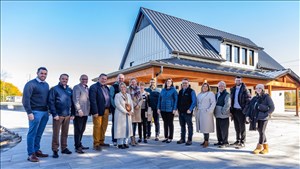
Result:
x=100 y=109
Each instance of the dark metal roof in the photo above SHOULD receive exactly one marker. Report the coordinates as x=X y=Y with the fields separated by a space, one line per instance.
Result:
x=267 y=62
x=212 y=68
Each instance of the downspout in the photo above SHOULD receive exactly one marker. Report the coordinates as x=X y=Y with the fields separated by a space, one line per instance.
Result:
x=160 y=71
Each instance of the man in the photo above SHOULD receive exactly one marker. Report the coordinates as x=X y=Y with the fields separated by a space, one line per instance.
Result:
x=153 y=100
x=222 y=115
x=113 y=90
x=100 y=108
x=61 y=108
x=82 y=110
x=186 y=102
x=240 y=97
x=35 y=96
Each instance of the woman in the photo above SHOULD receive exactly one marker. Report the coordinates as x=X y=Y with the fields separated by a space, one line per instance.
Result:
x=206 y=103
x=122 y=119
x=167 y=106
x=135 y=93
x=144 y=108
x=258 y=111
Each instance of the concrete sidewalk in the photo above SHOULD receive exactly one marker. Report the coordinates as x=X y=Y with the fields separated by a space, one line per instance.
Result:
x=282 y=134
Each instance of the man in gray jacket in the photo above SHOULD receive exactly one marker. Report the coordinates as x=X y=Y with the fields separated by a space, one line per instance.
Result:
x=222 y=113
x=82 y=110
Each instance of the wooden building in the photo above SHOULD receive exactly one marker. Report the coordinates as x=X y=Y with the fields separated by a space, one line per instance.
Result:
x=163 y=46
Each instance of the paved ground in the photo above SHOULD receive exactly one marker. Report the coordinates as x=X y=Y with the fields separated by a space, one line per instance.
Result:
x=282 y=133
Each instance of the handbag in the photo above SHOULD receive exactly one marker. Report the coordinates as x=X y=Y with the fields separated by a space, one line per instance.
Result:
x=128 y=107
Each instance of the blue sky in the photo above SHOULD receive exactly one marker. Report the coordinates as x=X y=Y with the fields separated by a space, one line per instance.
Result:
x=90 y=37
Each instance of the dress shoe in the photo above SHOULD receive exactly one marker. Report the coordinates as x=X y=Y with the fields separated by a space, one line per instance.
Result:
x=97 y=148
x=104 y=145
x=39 y=153
x=84 y=148
x=169 y=141
x=235 y=143
x=217 y=144
x=188 y=143
x=180 y=141
x=165 y=140
x=55 y=154
x=33 y=158
x=66 y=151
x=156 y=138
x=145 y=141
x=140 y=140
x=126 y=145
x=121 y=146
x=79 y=150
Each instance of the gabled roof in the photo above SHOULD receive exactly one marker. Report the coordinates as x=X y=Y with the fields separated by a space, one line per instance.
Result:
x=185 y=37
x=267 y=62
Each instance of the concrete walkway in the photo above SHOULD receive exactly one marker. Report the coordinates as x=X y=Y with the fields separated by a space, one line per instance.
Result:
x=282 y=134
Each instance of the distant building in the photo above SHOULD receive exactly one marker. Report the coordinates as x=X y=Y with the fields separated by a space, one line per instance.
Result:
x=17 y=99
x=163 y=46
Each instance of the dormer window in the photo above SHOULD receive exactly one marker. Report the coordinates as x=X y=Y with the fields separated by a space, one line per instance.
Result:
x=244 y=56
x=251 y=57
x=236 y=54
x=228 y=53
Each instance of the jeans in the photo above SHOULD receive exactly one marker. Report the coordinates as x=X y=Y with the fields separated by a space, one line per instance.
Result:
x=36 y=130
x=184 y=119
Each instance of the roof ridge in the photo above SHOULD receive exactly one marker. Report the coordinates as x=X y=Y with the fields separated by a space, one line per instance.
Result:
x=197 y=24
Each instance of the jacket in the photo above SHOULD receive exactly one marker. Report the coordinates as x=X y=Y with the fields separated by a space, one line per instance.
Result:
x=81 y=99
x=97 y=99
x=223 y=105
x=243 y=96
x=167 y=101
x=60 y=101
x=153 y=97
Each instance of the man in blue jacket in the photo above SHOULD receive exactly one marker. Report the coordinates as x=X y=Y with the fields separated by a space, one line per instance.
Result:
x=61 y=107
x=100 y=109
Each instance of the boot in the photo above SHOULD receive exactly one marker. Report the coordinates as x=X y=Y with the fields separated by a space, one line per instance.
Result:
x=205 y=144
x=265 y=150
x=258 y=149
x=132 y=141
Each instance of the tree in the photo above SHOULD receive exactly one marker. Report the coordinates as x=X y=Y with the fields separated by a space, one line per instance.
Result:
x=8 y=89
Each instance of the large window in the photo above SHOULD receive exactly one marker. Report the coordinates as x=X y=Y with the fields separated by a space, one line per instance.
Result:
x=244 y=56
x=228 y=53
x=236 y=54
x=251 y=57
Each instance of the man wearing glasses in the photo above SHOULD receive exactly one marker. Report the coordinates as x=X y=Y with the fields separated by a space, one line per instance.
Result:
x=82 y=109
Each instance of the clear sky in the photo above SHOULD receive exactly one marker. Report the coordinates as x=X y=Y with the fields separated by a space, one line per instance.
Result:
x=90 y=37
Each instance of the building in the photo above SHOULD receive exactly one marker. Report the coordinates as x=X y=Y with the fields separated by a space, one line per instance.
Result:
x=163 y=46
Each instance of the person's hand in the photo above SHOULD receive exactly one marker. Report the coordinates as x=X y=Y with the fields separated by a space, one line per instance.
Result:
x=72 y=118
x=80 y=113
x=56 y=118
x=137 y=107
x=30 y=117
x=158 y=111
x=95 y=115
x=188 y=111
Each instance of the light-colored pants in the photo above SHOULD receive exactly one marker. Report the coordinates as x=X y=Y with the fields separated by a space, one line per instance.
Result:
x=99 y=129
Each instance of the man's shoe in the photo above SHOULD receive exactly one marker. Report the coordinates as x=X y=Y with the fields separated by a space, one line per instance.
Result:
x=66 y=151
x=165 y=140
x=84 y=148
x=235 y=143
x=240 y=146
x=39 y=153
x=156 y=138
x=140 y=140
x=79 y=150
x=97 y=148
x=126 y=145
x=218 y=144
x=121 y=146
x=33 y=158
x=180 y=141
x=55 y=154
x=169 y=141
x=104 y=145
x=145 y=141
x=202 y=143
x=188 y=143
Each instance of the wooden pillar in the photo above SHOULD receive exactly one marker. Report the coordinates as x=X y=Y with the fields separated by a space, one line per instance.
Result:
x=297 y=101
x=270 y=90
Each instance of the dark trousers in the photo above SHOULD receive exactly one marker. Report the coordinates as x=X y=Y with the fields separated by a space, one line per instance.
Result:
x=134 y=125
x=239 y=124
x=261 y=128
x=156 y=123
x=143 y=125
x=149 y=124
x=184 y=119
x=206 y=136
x=79 y=128
x=222 y=126
x=112 y=125
x=168 y=118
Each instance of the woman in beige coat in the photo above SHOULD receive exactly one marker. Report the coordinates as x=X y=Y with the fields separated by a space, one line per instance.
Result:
x=122 y=120
x=206 y=103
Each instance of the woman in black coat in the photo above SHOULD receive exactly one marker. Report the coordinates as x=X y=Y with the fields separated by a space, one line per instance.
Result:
x=259 y=109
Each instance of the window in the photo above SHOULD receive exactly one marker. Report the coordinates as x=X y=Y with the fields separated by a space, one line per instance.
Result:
x=251 y=57
x=244 y=56
x=236 y=54
x=228 y=53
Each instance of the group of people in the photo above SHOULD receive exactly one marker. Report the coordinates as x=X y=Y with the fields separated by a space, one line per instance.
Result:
x=135 y=106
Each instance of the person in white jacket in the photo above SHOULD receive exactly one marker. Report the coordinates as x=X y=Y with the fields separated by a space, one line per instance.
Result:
x=122 y=120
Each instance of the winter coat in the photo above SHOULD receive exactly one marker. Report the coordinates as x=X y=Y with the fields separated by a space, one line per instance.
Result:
x=122 y=121
x=206 y=103
x=222 y=110
x=167 y=101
